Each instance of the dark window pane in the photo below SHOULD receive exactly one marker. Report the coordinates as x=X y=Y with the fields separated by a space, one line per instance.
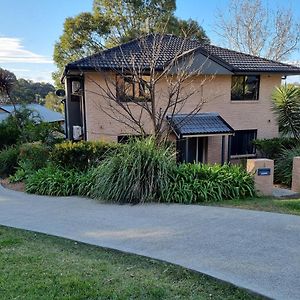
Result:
x=180 y=149
x=130 y=89
x=192 y=150
x=251 y=87
x=241 y=143
x=237 y=88
x=245 y=87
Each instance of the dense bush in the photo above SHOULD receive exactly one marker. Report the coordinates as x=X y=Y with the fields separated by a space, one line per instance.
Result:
x=284 y=165
x=138 y=172
x=58 y=182
x=194 y=183
x=8 y=160
x=35 y=154
x=32 y=157
x=80 y=155
x=23 y=128
x=271 y=148
x=9 y=133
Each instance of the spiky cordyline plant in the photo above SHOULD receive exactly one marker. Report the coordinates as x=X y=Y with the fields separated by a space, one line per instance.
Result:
x=286 y=101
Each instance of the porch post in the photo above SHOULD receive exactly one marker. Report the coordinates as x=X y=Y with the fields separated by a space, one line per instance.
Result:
x=229 y=148
x=223 y=150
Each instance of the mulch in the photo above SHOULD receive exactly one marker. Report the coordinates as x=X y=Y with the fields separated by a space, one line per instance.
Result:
x=19 y=186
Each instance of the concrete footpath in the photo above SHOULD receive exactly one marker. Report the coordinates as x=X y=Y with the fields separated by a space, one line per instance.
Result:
x=256 y=250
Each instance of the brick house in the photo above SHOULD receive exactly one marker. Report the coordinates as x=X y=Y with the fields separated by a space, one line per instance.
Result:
x=238 y=108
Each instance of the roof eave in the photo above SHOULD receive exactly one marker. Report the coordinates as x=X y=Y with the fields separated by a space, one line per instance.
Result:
x=262 y=71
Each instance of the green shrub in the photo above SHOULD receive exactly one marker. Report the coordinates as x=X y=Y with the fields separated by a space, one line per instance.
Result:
x=9 y=133
x=138 y=172
x=34 y=154
x=53 y=181
x=25 y=127
x=194 y=183
x=80 y=155
x=271 y=148
x=32 y=157
x=284 y=165
x=8 y=160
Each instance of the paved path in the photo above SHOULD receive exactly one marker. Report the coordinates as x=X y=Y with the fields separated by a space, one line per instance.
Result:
x=256 y=250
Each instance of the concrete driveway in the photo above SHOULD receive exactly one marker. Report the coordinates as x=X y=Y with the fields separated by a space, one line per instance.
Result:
x=255 y=250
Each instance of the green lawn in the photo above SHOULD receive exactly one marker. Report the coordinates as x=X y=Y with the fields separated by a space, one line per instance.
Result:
x=37 y=266
x=286 y=206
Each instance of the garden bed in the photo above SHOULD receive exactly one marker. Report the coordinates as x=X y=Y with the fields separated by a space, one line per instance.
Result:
x=18 y=186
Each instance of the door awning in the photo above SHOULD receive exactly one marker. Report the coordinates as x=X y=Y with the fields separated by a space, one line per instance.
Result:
x=201 y=124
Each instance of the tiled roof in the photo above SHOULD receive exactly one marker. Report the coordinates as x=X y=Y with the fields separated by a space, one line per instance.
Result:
x=199 y=124
x=46 y=115
x=139 y=52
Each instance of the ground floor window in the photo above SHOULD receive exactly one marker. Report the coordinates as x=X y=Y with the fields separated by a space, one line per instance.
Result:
x=241 y=142
x=191 y=150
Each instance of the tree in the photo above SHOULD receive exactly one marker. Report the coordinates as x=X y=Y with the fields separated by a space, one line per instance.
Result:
x=7 y=83
x=27 y=91
x=250 y=27
x=141 y=84
x=286 y=101
x=113 y=22
x=53 y=102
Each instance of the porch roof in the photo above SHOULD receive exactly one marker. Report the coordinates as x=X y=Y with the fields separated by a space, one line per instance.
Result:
x=201 y=124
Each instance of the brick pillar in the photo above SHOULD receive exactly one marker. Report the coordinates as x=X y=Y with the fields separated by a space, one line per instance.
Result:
x=296 y=174
x=263 y=170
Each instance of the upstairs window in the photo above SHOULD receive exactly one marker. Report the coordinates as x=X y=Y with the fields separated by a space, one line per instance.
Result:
x=130 y=89
x=241 y=142
x=245 y=87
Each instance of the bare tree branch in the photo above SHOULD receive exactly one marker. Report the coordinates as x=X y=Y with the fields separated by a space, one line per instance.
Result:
x=251 y=27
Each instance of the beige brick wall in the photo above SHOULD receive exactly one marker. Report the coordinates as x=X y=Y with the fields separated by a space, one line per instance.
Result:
x=216 y=93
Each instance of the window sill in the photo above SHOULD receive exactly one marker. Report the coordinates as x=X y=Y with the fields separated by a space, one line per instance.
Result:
x=242 y=156
x=245 y=101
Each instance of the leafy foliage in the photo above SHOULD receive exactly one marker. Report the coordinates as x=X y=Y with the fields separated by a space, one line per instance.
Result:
x=287 y=108
x=26 y=126
x=284 y=165
x=194 y=183
x=53 y=102
x=80 y=155
x=271 y=148
x=8 y=160
x=27 y=91
x=54 y=181
x=32 y=157
x=117 y=21
x=9 y=133
x=7 y=83
x=138 y=172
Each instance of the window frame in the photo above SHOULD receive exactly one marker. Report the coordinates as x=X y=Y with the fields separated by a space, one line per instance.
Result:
x=137 y=88
x=257 y=92
x=239 y=155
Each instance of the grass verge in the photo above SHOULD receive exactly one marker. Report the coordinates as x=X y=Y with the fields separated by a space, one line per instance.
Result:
x=284 y=206
x=37 y=266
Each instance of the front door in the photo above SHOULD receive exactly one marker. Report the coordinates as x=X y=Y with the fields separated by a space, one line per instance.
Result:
x=192 y=149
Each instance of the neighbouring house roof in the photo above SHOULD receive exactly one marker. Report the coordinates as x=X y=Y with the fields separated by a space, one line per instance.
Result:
x=200 y=124
x=46 y=115
x=138 y=53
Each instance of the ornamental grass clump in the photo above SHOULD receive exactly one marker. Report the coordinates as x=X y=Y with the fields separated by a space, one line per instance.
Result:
x=138 y=172
x=196 y=183
x=54 y=181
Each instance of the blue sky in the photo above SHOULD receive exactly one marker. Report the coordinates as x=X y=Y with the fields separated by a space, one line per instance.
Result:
x=29 y=29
